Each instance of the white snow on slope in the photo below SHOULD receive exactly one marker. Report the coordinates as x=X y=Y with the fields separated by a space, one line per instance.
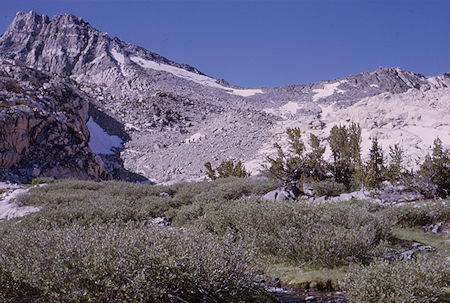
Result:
x=99 y=141
x=286 y=111
x=118 y=56
x=197 y=137
x=290 y=107
x=244 y=92
x=8 y=208
x=328 y=90
x=197 y=78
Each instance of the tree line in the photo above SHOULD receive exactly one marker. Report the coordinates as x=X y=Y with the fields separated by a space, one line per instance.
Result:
x=297 y=165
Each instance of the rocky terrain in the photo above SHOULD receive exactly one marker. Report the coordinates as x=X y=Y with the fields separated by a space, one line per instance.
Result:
x=162 y=120
x=41 y=133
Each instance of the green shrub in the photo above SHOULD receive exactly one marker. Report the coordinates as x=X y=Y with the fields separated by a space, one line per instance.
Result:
x=411 y=281
x=328 y=188
x=419 y=215
x=325 y=234
x=110 y=263
x=86 y=203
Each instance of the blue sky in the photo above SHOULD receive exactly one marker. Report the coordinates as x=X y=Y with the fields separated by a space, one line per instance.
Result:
x=271 y=43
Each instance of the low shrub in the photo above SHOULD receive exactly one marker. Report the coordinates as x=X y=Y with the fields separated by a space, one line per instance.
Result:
x=328 y=188
x=418 y=215
x=325 y=234
x=111 y=263
x=420 y=280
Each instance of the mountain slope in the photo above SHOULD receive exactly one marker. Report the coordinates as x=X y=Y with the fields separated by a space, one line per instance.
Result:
x=172 y=118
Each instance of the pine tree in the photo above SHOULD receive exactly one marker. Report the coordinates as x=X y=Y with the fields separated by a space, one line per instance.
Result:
x=345 y=144
x=434 y=173
x=396 y=168
x=210 y=172
x=226 y=169
x=288 y=168
x=316 y=165
x=375 y=166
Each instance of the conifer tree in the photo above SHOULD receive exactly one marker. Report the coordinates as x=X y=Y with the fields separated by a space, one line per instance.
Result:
x=375 y=169
x=345 y=144
x=434 y=173
x=226 y=169
x=396 y=169
x=316 y=165
x=288 y=168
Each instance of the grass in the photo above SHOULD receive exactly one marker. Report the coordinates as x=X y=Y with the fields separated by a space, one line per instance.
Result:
x=438 y=241
x=302 y=278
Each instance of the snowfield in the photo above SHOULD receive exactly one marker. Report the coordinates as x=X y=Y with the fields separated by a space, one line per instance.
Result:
x=328 y=90
x=182 y=73
x=99 y=141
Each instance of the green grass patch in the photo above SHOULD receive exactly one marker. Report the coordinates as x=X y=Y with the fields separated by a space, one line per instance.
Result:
x=297 y=277
x=438 y=241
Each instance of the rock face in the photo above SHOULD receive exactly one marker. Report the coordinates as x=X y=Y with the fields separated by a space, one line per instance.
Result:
x=172 y=118
x=42 y=127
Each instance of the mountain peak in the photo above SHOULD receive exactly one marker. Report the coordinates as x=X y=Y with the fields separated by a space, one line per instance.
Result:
x=24 y=21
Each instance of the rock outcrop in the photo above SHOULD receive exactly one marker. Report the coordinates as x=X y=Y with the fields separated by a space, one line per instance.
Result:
x=42 y=127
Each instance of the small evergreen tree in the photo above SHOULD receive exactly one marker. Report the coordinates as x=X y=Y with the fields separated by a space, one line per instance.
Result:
x=316 y=165
x=375 y=169
x=396 y=169
x=434 y=173
x=210 y=172
x=288 y=168
x=345 y=144
x=226 y=169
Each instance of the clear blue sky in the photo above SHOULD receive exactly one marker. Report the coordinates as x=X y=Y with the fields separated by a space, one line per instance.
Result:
x=270 y=43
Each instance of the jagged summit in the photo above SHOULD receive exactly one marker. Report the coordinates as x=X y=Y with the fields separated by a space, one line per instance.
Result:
x=66 y=44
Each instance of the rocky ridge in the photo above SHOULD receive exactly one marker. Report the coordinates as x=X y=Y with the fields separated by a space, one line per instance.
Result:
x=41 y=134
x=172 y=118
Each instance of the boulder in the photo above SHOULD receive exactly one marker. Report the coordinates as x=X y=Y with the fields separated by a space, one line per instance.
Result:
x=284 y=193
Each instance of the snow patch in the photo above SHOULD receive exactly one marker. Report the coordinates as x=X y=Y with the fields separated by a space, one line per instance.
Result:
x=374 y=85
x=8 y=208
x=118 y=56
x=287 y=110
x=244 y=92
x=290 y=107
x=326 y=110
x=328 y=90
x=197 y=78
x=99 y=141
x=197 y=137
